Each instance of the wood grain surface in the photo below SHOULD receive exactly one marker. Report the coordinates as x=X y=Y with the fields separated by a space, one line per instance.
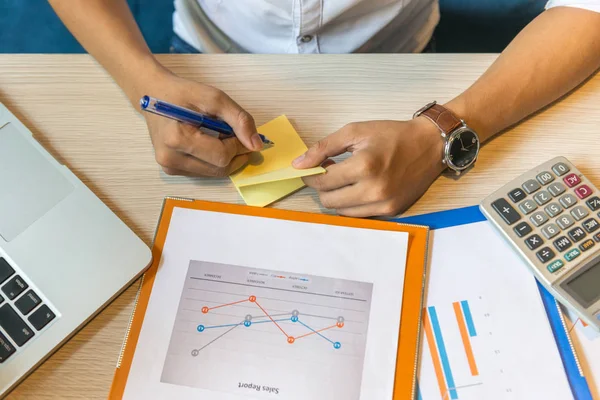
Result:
x=80 y=115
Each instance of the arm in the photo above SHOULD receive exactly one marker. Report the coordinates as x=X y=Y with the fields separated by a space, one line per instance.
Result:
x=108 y=31
x=551 y=56
x=394 y=162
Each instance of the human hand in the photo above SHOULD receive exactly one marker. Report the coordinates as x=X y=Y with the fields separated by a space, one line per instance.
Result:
x=391 y=166
x=182 y=149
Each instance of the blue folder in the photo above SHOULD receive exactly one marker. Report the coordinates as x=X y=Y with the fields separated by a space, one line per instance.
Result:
x=469 y=215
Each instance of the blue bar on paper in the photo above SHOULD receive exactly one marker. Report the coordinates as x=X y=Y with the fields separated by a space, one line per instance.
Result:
x=437 y=332
x=468 y=317
x=419 y=396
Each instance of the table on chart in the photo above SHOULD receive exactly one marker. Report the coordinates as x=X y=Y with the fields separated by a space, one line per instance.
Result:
x=263 y=332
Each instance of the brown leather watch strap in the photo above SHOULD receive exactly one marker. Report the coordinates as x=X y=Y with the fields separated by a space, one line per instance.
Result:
x=442 y=117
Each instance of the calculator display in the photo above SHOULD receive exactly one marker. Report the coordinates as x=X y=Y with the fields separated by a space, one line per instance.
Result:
x=586 y=286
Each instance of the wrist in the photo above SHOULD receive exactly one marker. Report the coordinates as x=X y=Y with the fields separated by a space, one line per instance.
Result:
x=146 y=83
x=432 y=140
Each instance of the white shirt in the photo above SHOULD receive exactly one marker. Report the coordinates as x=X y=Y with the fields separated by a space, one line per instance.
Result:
x=314 y=26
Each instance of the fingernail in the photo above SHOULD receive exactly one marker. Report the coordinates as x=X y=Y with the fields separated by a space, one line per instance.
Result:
x=298 y=160
x=257 y=142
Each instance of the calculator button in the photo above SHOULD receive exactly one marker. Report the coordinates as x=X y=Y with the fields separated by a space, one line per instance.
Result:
x=593 y=203
x=553 y=209
x=545 y=254
x=568 y=200
x=542 y=197
x=550 y=231
x=572 y=180
x=533 y=242
x=560 y=169
x=579 y=213
x=527 y=206
x=539 y=218
x=576 y=234
x=545 y=178
x=588 y=244
x=562 y=243
x=555 y=266
x=597 y=237
x=506 y=211
x=583 y=191
x=531 y=186
x=572 y=254
x=556 y=189
x=516 y=195
x=565 y=221
x=522 y=229
x=590 y=225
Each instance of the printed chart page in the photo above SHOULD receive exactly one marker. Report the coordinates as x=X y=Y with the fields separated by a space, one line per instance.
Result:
x=486 y=334
x=586 y=341
x=256 y=308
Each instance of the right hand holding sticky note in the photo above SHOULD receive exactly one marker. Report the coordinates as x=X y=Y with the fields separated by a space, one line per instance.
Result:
x=269 y=175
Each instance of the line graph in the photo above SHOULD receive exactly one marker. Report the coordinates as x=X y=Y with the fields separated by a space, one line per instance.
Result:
x=238 y=326
x=249 y=320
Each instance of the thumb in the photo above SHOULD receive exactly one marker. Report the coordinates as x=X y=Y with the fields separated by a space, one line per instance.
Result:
x=331 y=146
x=241 y=121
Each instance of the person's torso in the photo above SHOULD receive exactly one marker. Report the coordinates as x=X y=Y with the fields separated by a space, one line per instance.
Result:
x=307 y=26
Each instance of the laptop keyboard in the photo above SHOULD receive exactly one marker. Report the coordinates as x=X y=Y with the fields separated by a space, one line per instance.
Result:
x=22 y=312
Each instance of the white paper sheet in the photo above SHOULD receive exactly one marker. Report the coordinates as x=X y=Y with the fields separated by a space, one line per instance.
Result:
x=512 y=349
x=322 y=275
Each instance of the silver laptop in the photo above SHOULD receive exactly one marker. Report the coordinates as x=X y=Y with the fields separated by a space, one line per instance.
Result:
x=63 y=254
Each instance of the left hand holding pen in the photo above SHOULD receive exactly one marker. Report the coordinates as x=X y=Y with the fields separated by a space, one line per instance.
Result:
x=391 y=166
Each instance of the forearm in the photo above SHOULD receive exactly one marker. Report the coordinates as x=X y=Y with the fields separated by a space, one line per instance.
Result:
x=108 y=31
x=551 y=56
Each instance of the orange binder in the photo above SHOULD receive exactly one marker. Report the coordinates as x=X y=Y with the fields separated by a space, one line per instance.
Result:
x=407 y=356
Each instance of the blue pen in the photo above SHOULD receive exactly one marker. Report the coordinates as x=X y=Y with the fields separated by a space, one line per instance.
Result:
x=213 y=126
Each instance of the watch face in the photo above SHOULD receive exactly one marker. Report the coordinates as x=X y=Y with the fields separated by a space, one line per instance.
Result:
x=462 y=148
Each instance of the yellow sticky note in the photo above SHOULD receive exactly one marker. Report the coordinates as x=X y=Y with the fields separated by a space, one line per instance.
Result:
x=269 y=175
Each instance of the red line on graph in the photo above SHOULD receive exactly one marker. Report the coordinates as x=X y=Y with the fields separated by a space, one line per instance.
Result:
x=312 y=333
x=229 y=304
x=272 y=320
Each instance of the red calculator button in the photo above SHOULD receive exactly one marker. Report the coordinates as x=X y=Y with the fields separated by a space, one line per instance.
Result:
x=572 y=180
x=583 y=191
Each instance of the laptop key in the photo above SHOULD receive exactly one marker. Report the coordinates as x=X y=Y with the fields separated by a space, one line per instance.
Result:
x=14 y=287
x=41 y=317
x=14 y=326
x=1 y=299
x=28 y=302
x=6 y=348
x=5 y=270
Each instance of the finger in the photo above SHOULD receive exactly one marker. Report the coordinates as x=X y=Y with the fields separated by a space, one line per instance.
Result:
x=337 y=176
x=174 y=162
x=190 y=140
x=239 y=119
x=346 y=197
x=333 y=145
x=327 y=163
x=382 y=209
x=240 y=148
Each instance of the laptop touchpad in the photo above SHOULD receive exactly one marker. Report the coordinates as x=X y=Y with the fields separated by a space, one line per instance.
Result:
x=30 y=185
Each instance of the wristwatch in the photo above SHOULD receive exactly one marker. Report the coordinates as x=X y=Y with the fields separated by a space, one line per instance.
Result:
x=461 y=142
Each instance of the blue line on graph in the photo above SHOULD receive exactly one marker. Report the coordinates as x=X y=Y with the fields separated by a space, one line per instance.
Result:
x=467 y=311
x=242 y=323
x=442 y=350
x=329 y=340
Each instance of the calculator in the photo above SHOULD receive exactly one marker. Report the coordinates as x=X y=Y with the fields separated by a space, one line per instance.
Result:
x=551 y=217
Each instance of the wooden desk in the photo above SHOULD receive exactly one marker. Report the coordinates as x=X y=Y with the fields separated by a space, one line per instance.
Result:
x=82 y=118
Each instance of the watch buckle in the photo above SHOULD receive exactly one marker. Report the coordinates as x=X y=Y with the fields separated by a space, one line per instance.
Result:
x=424 y=108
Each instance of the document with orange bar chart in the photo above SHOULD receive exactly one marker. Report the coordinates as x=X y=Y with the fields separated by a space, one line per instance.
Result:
x=486 y=333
